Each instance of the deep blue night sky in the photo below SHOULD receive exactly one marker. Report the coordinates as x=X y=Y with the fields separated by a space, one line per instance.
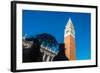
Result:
x=37 y=22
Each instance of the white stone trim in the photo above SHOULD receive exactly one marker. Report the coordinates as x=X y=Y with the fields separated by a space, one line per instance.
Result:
x=69 y=34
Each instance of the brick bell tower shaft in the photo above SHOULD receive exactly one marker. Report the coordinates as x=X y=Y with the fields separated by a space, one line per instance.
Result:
x=69 y=41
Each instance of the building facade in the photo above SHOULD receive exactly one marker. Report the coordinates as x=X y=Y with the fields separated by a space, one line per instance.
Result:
x=47 y=53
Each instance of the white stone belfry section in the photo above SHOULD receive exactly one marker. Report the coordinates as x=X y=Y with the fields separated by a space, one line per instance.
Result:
x=69 y=29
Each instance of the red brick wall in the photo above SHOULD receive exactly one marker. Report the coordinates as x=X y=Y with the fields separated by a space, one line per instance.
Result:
x=70 y=50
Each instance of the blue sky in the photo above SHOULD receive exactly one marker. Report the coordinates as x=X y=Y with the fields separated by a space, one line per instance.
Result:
x=37 y=22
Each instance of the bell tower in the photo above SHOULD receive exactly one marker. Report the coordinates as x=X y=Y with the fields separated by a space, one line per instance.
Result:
x=69 y=40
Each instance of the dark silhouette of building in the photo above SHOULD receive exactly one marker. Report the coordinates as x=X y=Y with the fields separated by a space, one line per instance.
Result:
x=32 y=53
x=61 y=55
x=42 y=47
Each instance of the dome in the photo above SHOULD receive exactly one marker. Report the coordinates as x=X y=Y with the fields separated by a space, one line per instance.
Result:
x=48 y=41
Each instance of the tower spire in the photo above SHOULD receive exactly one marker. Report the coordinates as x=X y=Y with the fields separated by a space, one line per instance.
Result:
x=69 y=28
